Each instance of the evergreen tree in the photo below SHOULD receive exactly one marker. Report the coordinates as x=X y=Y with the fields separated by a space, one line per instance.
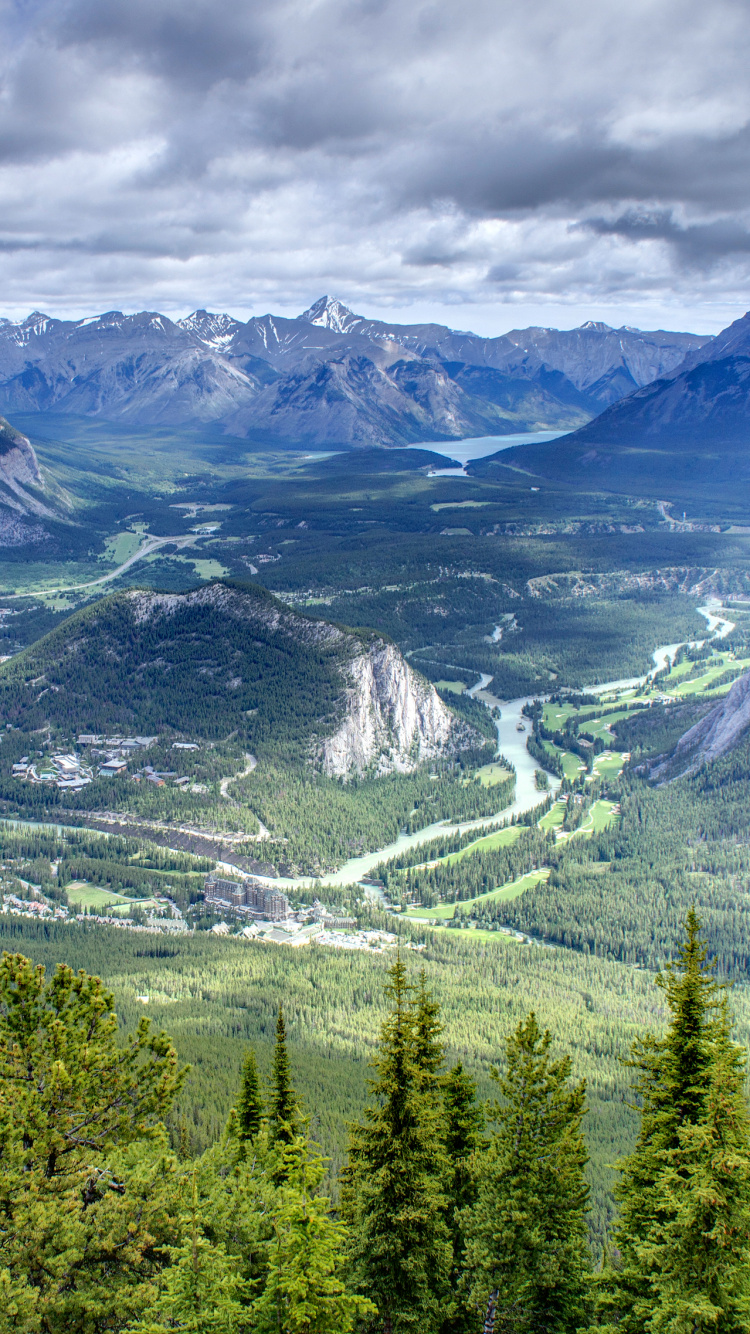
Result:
x=87 y=1182
x=429 y=1052
x=464 y=1123
x=393 y=1192
x=250 y=1103
x=526 y=1235
x=673 y=1075
x=284 y=1110
x=701 y=1256
x=684 y=1229
x=201 y=1291
x=305 y=1291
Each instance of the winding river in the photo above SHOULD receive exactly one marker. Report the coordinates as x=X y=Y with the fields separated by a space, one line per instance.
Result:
x=511 y=744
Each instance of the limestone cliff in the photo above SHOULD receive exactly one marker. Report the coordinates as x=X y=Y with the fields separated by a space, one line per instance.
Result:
x=718 y=732
x=393 y=720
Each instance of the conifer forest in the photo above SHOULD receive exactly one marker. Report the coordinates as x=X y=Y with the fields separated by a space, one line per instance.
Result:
x=482 y=1067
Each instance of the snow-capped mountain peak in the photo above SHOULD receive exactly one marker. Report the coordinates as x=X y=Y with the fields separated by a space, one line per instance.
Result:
x=328 y=313
x=216 y=331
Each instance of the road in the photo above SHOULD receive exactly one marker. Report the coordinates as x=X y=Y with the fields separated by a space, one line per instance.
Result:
x=150 y=545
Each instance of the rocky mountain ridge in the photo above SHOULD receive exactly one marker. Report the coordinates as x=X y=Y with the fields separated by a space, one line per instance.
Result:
x=690 y=423
x=327 y=376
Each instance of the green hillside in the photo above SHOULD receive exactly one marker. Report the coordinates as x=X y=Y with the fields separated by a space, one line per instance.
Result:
x=237 y=662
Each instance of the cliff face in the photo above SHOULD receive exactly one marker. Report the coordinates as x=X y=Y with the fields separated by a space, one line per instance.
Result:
x=709 y=739
x=394 y=720
x=21 y=481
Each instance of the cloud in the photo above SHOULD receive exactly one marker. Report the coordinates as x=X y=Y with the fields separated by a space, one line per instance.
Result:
x=230 y=152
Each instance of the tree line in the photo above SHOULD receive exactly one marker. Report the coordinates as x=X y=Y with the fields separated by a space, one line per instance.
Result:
x=453 y=1215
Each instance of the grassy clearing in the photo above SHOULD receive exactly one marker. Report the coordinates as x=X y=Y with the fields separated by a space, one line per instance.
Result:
x=501 y=838
x=608 y=764
x=503 y=893
x=460 y=505
x=573 y=767
x=121 y=547
x=455 y=687
x=83 y=895
x=600 y=817
x=554 y=817
x=490 y=774
x=206 y=569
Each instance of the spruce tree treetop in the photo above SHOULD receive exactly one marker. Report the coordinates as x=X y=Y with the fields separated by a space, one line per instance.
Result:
x=526 y=1235
x=429 y=1051
x=250 y=1102
x=683 y=1230
x=284 y=1108
x=393 y=1197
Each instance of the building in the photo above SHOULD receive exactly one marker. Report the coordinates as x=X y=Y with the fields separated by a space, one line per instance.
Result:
x=247 y=895
x=332 y=921
x=112 y=767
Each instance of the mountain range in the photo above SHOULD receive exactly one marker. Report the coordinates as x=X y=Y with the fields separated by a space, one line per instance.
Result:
x=691 y=424
x=328 y=376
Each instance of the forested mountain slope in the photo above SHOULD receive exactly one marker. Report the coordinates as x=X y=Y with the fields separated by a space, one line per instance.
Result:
x=226 y=659
x=719 y=732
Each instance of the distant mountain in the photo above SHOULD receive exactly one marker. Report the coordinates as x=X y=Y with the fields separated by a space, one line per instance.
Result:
x=230 y=659
x=328 y=376
x=691 y=423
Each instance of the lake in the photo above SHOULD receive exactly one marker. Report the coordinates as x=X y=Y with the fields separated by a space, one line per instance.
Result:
x=478 y=447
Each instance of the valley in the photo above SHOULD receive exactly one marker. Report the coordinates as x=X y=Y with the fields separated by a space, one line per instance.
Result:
x=434 y=698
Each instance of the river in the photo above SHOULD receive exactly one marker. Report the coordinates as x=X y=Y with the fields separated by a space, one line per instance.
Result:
x=511 y=743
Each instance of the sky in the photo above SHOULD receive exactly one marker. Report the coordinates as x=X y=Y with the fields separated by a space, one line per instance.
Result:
x=488 y=164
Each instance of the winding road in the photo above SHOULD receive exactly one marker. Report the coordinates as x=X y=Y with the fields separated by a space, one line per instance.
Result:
x=150 y=545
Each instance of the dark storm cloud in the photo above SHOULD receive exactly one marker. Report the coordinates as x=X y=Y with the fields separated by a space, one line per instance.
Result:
x=697 y=243
x=192 y=43
x=389 y=147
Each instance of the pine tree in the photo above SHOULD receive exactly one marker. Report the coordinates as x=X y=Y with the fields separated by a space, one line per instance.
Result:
x=284 y=1109
x=701 y=1256
x=526 y=1235
x=201 y=1291
x=464 y=1123
x=87 y=1181
x=684 y=1229
x=673 y=1076
x=250 y=1103
x=429 y=1052
x=393 y=1189
x=305 y=1291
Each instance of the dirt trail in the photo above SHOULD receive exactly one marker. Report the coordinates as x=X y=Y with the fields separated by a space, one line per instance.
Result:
x=250 y=764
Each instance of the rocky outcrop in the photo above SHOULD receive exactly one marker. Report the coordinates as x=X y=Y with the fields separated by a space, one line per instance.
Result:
x=393 y=720
x=390 y=719
x=21 y=482
x=712 y=737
